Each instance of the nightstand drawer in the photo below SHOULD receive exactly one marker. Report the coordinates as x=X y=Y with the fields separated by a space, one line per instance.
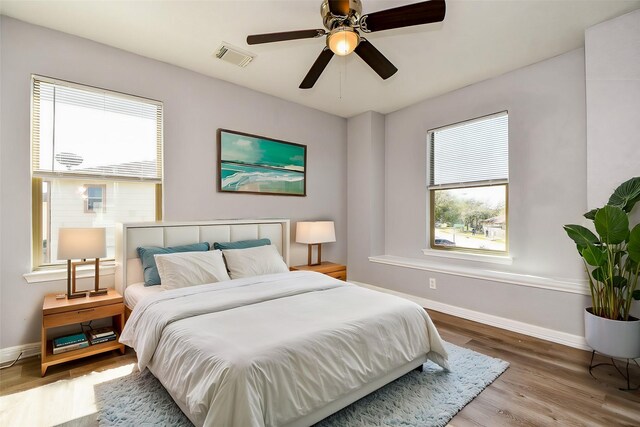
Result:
x=338 y=271
x=340 y=274
x=82 y=315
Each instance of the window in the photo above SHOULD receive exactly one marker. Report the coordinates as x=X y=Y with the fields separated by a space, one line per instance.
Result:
x=93 y=196
x=96 y=160
x=468 y=185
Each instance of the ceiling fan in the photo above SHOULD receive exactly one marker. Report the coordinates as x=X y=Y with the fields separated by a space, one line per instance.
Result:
x=344 y=22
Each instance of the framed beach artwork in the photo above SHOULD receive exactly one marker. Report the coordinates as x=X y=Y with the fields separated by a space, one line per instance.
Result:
x=255 y=164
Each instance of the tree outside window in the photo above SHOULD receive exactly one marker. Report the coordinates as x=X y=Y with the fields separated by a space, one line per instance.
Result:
x=468 y=185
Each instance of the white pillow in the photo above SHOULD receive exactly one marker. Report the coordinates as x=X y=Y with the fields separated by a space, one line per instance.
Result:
x=254 y=261
x=182 y=269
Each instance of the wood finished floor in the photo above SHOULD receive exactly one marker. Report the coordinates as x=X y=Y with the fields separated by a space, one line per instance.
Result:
x=546 y=384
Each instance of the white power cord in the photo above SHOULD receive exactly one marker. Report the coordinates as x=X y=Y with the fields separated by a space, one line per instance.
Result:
x=12 y=363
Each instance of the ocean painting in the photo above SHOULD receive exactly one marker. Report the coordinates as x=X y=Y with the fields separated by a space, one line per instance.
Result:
x=254 y=164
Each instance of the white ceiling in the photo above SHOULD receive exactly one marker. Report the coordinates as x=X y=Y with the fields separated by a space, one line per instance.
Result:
x=478 y=39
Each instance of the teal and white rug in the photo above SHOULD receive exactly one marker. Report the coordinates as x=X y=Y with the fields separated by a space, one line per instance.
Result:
x=428 y=398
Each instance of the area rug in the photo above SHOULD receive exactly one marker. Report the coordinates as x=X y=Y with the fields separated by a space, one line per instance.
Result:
x=428 y=398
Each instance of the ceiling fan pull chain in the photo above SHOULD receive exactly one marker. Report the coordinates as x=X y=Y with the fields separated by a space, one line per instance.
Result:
x=340 y=81
x=344 y=61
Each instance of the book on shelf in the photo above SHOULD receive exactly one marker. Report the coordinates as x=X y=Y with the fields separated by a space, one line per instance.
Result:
x=100 y=340
x=70 y=347
x=68 y=340
x=101 y=332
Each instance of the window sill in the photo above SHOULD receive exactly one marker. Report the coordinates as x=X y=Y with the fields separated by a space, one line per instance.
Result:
x=559 y=285
x=492 y=259
x=50 y=275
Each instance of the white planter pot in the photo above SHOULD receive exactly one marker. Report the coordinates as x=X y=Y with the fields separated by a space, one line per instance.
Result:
x=615 y=338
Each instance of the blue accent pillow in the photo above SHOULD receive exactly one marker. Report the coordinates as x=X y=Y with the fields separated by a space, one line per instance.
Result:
x=241 y=244
x=146 y=254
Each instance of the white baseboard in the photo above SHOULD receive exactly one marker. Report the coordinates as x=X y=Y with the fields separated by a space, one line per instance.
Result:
x=9 y=354
x=552 y=335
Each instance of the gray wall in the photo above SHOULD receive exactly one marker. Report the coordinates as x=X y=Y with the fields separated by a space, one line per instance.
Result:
x=547 y=188
x=612 y=53
x=613 y=105
x=194 y=107
x=365 y=184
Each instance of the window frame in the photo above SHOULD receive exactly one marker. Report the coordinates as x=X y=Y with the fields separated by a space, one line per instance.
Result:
x=103 y=198
x=431 y=190
x=37 y=181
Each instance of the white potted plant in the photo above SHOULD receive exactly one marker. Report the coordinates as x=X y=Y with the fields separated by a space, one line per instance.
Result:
x=612 y=261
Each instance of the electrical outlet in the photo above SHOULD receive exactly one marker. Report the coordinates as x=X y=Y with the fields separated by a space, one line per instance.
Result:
x=432 y=283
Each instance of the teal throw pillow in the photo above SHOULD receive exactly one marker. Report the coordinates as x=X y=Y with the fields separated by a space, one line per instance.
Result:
x=241 y=244
x=146 y=254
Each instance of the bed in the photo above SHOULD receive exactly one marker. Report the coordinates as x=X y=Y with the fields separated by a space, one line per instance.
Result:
x=285 y=349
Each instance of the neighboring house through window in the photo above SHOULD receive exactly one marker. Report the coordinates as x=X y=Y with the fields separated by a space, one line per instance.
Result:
x=468 y=170
x=93 y=151
x=94 y=198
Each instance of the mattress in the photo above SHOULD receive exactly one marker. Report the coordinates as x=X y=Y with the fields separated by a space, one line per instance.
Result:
x=135 y=292
x=267 y=350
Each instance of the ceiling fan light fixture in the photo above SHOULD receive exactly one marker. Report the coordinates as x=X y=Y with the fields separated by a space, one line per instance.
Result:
x=343 y=40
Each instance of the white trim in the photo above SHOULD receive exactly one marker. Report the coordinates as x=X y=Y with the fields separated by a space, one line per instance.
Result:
x=549 y=283
x=9 y=354
x=559 y=337
x=492 y=259
x=47 y=275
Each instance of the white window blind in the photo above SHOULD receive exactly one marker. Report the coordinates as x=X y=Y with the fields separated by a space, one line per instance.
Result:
x=82 y=132
x=475 y=152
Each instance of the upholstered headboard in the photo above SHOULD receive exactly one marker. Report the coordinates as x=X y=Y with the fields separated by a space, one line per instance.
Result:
x=130 y=236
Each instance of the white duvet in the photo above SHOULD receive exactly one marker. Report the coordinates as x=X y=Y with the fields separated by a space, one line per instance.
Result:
x=266 y=350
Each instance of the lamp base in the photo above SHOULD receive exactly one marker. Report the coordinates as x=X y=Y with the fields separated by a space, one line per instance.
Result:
x=76 y=295
x=310 y=252
x=98 y=292
x=71 y=280
x=71 y=290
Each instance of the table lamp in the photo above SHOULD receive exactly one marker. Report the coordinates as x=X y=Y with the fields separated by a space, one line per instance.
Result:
x=82 y=243
x=315 y=233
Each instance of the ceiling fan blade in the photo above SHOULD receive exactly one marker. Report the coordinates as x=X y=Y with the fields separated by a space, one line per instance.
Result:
x=404 y=16
x=287 y=35
x=375 y=59
x=317 y=68
x=339 y=7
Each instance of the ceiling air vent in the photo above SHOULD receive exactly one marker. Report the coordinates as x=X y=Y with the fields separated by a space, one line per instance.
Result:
x=233 y=55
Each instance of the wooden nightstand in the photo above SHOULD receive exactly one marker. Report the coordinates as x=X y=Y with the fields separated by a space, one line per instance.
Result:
x=60 y=312
x=338 y=271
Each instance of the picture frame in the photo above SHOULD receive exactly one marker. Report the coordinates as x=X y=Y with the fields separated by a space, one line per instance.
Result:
x=254 y=164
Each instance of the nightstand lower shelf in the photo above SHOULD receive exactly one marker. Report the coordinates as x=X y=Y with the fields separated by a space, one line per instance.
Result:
x=55 y=359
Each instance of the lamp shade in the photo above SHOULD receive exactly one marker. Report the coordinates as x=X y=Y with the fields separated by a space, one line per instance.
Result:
x=82 y=243
x=312 y=232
